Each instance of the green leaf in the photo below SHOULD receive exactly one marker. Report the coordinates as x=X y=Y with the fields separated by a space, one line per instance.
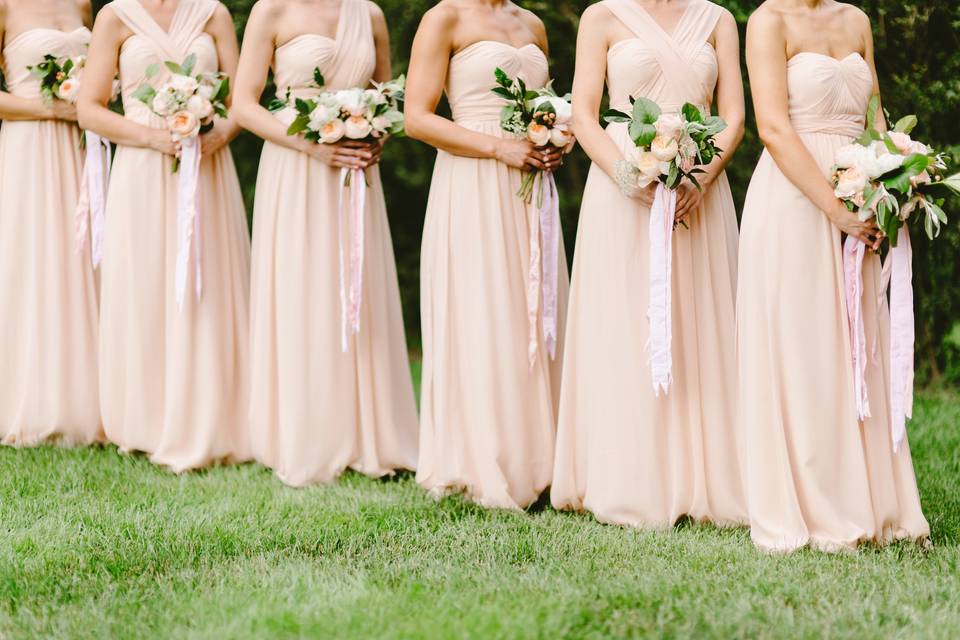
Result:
x=642 y=134
x=888 y=141
x=304 y=107
x=298 y=125
x=612 y=115
x=152 y=70
x=865 y=139
x=503 y=93
x=223 y=90
x=906 y=124
x=145 y=94
x=691 y=113
x=899 y=180
x=318 y=78
x=174 y=68
x=872 y=108
x=502 y=78
x=645 y=111
x=673 y=176
x=189 y=64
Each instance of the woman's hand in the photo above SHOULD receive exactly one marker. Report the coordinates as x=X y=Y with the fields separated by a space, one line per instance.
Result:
x=521 y=154
x=689 y=199
x=160 y=140
x=62 y=110
x=849 y=223
x=346 y=154
x=212 y=141
x=645 y=196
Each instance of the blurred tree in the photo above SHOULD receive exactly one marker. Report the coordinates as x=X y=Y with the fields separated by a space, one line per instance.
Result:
x=918 y=60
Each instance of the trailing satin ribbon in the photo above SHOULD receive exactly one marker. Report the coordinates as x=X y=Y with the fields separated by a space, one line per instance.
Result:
x=901 y=336
x=662 y=215
x=188 y=219
x=898 y=274
x=351 y=219
x=543 y=278
x=853 y=254
x=89 y=214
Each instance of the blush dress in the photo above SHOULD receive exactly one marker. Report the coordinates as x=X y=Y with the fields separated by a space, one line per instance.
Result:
x=315 y=409
x=488 y=416
x=815 y=475
x=624 y=454
x=48 y=289
x=173 y=382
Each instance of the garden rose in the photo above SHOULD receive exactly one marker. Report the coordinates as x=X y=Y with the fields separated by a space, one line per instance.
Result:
x=183 y=124
x=353 y=101
x=186 y=85
x=538 y=134
x=649 y=168
x=850 y=182
x=669 y=125
x=357 y=127
x=166 y=102
x=664 y=149
x=321 y=115
x=332 y=131
x=200 y=107
x=69 y=90
x=560 y=137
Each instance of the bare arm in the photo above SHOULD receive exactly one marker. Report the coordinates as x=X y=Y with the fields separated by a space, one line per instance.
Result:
x=221 y=29
x=109 y=32
x=381 y=40
x=429 y=61
x=730 y=105
x=17 y=108
x=864 y=25
x=767 y=65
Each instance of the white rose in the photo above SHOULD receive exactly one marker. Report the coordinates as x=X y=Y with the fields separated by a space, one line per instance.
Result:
x=664 y=149
x=538 y=134
x=357 y=127
x=332 y=131
x=561 y=107
x=353 y=101
x=380 y=124
x=850 y=155
x=183 y=124
x=375 y=97
x=184 y=84
x=881 y=161
x=321 y=115
x=649 y=168
x=205 y=91
x=560 y=137
x=200 y=107
x=69 y=90
x=669 y=125
x=850 y=182
x=166 y=102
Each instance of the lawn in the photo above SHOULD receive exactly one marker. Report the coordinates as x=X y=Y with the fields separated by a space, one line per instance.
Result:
x=98 y=545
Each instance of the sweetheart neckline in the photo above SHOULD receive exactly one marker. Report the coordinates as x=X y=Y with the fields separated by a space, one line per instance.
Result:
x=504 y=44
x=66 y=32
x=303 y=36
x=828 y=57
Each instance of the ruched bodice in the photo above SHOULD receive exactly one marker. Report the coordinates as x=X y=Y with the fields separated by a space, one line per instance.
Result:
x=29 y=48
x=470 y=77
x=828 y=95
x=668 y=68
x=151 y=45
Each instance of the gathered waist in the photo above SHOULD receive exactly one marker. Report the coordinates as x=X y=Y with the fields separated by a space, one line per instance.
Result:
x=847 y=125
x=667 y=107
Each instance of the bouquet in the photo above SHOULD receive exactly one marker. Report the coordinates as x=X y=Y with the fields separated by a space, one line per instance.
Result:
x=59 y=77
x=542 y=117
x=669 y=147
x=890 y=177
x=188 y=102
x=362 y=115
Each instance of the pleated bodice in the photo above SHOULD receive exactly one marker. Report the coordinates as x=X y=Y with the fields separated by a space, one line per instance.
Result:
x=29 y=48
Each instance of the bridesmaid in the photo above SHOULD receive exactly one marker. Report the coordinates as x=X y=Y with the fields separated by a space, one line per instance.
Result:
x=173 y=383
x=624 y=453
x=488 y=413
x=316 y=409
x=815 y=476
x=48 y=292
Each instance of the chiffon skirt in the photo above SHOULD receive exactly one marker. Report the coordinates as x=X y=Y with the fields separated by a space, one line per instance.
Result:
x=48 y=291
x=623 y=453
x=173 y=382
x=488 y=417
x=315 y=410
x=815 y=475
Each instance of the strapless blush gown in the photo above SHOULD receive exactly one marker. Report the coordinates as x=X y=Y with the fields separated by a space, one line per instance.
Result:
x=173 y=382
x=623 y=453
x=487 y=417
x=48 y=290
x=314 y=409
x=815 y=475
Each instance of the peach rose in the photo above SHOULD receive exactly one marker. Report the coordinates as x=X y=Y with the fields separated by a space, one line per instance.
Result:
x=560 y=137
x=538 y=134
x=183 y=124
x=358 y=127
x=69 y=90
x=665 y=149
x=332 y=131
x=850 y=182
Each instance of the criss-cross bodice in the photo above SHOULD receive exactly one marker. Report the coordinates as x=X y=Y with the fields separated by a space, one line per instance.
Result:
x=470 y=78
x=29 y=48
x=828 y=95
x=668 y=68
x=151 y=45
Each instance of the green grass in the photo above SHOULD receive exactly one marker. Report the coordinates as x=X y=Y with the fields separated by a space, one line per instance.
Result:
x=98 y=545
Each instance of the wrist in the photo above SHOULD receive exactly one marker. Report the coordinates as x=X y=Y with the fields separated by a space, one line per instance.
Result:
x=496 y=150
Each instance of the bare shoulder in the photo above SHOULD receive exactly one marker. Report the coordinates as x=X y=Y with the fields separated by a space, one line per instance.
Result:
x=221 y=14
x=596 y=15
x=533 y=22
x=444 y=15
x=766 y=17
x=376 y=13
x=267 y=10
x=726 y=17
x=854 y=16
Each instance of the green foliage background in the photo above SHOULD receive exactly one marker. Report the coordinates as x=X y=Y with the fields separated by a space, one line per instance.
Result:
x=918 y=59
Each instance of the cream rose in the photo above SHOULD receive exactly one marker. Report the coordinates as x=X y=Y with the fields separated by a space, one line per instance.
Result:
x=669 y=125
x=357 y=127
x=649 y=168
x=850 y=182
x=560 y=137
x=664 y=149
x=321 y=115
x=200 y=107
x=538 y=134
x=353 y=101
x=380 y=124
x=69 y=90
x=183 y=124
x=332 y=131
x=205 y=91
x=166 y=102
x=184 y=84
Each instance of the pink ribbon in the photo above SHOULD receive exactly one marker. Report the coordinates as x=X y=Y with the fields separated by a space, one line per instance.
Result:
x=353 y=197
x=853 y=254
x=188 y=219
x=543 y=269
x=91 y=207
x=659 y=314
x=898 y=274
